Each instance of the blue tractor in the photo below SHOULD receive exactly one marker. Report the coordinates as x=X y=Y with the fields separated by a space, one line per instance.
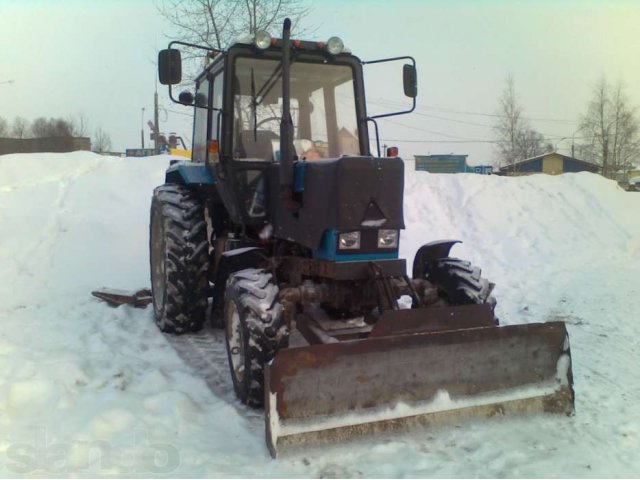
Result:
x=284 y=229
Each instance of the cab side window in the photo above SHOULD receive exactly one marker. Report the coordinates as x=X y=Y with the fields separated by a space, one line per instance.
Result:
x=201 y=122
x=217 y=106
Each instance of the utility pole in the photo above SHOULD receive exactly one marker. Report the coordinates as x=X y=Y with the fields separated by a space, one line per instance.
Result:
x=155 y=121
x=142 y=127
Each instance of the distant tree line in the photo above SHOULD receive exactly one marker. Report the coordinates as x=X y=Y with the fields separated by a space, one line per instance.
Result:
x=608 y=133
x=43 y=128
x=55 y=127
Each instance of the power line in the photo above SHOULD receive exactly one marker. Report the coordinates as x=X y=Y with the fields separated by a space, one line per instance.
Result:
x=497 y=115
x=453 y=120
x=179 y=113
x=436 y=141
x=390 y=104
x=440 y=118
x=425 y=130
x=468 y=112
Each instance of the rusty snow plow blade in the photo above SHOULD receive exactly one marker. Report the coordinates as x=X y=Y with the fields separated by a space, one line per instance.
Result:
x=335 y=391
x=115 y=298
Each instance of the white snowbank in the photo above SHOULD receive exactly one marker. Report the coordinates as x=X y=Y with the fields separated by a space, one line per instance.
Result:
x=87 y=390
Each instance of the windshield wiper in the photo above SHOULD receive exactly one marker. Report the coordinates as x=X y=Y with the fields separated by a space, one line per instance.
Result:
x=254 y=106
x=270 y=83
x=257 y=98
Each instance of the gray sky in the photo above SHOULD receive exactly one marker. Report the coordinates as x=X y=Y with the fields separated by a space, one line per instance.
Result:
x=97 y=58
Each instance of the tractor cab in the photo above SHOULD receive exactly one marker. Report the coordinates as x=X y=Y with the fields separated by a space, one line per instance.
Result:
x=324 y=113
x=239 y=100
x=263 y=111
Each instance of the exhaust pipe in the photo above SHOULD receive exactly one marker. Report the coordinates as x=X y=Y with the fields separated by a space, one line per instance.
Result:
x=286 y=123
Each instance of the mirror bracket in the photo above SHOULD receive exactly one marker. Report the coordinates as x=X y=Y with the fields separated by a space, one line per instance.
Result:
x=410 y=83
x=170 y=65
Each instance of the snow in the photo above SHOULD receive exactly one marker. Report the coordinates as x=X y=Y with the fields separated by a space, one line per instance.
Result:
x=374 y=223
x=89 y=390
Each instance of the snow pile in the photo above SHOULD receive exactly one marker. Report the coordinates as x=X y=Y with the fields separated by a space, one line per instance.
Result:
x=87 y=390
x=523 y=231
x=538 y=219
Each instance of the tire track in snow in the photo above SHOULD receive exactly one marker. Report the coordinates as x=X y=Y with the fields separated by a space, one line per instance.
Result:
x=36 y=257
x=605 y=347
x=205 y=353
x=32 y=181
x=38 y=254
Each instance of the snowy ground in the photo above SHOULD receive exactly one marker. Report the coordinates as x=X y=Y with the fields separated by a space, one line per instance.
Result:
x=87 y=390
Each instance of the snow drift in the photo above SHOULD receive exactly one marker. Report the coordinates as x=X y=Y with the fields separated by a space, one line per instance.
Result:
x=87 y=390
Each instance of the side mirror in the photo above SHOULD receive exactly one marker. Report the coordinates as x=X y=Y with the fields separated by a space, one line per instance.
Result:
x=170 y=66
x=410 y=80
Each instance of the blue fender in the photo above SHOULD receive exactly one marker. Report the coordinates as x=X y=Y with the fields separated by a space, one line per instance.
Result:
x=189 y=173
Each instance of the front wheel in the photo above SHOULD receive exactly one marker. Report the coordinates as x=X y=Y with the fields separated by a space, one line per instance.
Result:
x=459 y=283
x=255 y=331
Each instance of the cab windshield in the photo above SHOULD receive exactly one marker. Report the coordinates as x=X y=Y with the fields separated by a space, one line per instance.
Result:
x=322 y=109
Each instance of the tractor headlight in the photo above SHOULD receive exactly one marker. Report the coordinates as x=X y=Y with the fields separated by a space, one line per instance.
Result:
x=262 y=39
x=335 y=45
x=387 y=238
x=349 y=241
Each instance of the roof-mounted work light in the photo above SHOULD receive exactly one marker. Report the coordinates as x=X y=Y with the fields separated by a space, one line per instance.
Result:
x=262 y=39
x=335 y=45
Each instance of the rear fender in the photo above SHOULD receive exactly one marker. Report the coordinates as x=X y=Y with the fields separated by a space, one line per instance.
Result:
x=429 y=252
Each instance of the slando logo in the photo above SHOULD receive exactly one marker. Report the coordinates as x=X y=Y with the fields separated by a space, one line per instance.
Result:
x=138 y=456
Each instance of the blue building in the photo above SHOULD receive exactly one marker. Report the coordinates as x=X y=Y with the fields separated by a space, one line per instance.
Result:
x=449 y=164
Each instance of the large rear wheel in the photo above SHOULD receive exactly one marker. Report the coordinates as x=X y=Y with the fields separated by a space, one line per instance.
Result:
x=255 y=331
x=179 y=258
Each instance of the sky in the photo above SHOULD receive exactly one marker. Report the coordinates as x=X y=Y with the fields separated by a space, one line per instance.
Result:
x=66 y=58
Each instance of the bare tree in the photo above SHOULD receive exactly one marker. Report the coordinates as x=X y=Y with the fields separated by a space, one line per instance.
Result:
x=509 y=123
x=20 y=128
x=60 y=128
x=40 y=128
x=217 y=23
x=516 y=140
x=79 y=125
x=53 y=127
x=101 y=141
x=530 y=143
x=4 y=127
x=610 y=129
